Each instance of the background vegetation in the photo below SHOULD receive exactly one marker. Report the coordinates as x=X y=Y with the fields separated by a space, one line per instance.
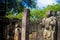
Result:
x=15 y=9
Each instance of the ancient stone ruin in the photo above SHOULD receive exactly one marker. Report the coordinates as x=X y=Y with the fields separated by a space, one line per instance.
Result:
x=17 y=29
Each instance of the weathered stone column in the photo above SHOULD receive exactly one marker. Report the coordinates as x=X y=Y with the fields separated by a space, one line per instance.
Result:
x=25 y=25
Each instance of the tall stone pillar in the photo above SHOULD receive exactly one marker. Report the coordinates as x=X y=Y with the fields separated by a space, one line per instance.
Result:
x=25 y=25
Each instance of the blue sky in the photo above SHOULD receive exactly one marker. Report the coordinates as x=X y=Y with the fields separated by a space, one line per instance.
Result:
x=44 y=3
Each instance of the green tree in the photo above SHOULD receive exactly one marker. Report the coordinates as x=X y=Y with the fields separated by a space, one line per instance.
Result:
x=53 y=7
x=20 y=4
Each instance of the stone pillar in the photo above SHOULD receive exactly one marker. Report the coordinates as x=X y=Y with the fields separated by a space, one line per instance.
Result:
x=25 y=25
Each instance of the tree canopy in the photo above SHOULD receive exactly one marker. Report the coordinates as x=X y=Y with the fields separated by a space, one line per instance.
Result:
x=34 y=14
x=19 y=5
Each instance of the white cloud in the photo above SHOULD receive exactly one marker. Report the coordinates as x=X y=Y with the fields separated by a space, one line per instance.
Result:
x=44 y=3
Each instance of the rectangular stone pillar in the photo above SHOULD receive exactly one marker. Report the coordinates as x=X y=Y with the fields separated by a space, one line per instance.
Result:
x=25 y=25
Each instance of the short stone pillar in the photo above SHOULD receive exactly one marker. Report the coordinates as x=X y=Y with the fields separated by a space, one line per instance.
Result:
x=25 y=25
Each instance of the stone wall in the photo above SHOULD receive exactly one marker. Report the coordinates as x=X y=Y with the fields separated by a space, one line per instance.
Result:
x=58 y=19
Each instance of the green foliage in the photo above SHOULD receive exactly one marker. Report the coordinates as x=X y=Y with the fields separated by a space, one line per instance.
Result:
x=11 y=15
x=53 y=7
x=36 y=14
x=19 y=16
x=19 y=4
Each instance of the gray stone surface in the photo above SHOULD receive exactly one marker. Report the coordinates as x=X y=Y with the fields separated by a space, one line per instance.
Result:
x=58 y=19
